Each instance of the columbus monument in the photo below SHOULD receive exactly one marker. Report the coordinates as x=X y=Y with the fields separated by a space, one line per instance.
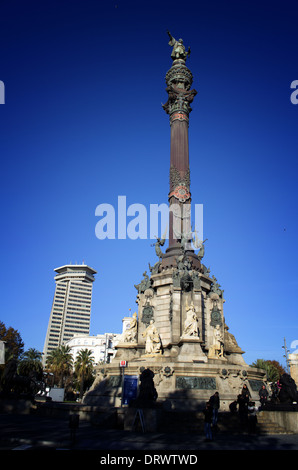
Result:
x=178 y=332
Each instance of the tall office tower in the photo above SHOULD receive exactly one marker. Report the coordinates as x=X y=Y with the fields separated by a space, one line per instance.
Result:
x=71 y=309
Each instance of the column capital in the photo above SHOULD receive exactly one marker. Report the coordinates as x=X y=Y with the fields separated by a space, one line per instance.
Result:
x=178 y=104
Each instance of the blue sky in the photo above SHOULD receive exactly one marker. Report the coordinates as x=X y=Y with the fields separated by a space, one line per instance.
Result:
x=83 y=124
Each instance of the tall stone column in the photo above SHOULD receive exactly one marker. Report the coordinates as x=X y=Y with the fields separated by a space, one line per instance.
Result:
x=181 y=335
x=180 y=96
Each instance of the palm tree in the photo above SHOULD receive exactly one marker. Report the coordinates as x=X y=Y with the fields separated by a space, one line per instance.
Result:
x=272 y=372
x=30 y=364
x=60 y=362
x=84 y=368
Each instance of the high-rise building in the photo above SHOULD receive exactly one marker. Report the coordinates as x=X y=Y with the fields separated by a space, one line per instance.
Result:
x=71 y=309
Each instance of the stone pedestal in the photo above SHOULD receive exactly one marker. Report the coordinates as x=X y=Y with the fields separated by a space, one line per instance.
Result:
x=179 y=385
x=186 y=308
x=190 y=350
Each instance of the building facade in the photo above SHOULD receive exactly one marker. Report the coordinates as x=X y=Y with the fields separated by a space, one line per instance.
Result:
x=102 y=346
x=71 y=309
x=293 y=363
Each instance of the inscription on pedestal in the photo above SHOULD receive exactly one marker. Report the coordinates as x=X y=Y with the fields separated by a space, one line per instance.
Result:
x=196 y=383
x=255 y=385
x=113 y=381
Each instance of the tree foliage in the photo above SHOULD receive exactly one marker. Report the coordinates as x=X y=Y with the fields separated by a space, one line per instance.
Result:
x=60 y=363
x=30 y=364
x=272 y=368
x=14 y=345
x=277 y=366
x=84 y=368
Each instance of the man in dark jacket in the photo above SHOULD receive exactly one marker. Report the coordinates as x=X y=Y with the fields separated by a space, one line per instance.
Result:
x=215 y=403
x=263 y=394
x=208 y=419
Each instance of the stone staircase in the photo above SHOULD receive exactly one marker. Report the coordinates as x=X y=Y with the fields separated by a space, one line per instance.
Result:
x=193 y=422
x=227 y=423
x=267 y=426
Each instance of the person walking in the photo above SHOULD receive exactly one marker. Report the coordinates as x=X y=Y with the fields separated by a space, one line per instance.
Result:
x=208 y=413
x=215 y=403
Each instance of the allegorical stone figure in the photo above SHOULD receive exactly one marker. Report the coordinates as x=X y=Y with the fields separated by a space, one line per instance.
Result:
x=216 y=350
x=130 y=334
x=191 y=322
x=159 y=242
x=153 y=342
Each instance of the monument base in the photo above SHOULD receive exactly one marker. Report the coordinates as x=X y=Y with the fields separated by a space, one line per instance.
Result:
x=181 y=337
x=179 y=385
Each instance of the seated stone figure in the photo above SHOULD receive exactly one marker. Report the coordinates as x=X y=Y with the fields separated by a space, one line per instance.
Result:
x=153 y=342
x=130 y=334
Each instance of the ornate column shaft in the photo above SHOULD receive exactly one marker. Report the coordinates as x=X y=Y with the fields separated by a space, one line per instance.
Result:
x=180 y=96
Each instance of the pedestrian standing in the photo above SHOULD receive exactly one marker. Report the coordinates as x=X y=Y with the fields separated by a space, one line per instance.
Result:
x=208 y=413
x=252 y=417
x=242 y=410
x=215 y=403
x=245 y=393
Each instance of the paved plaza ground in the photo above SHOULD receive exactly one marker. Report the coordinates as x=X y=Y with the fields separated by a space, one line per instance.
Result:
x=31 y=432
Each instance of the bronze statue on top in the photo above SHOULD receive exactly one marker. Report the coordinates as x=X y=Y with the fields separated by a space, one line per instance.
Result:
x=178 y=51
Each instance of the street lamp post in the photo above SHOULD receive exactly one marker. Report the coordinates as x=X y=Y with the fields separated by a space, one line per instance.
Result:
x=286 y=354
